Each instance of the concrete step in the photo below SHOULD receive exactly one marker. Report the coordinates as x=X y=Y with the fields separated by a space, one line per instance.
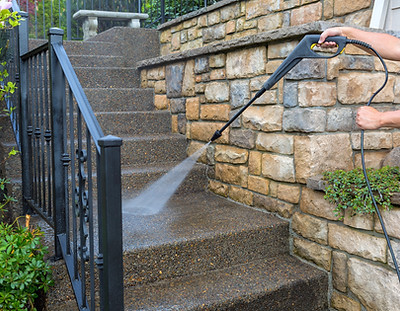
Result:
x=203 y=252
x=135 y=123
x=153 y=148
x=97 y=61
x=108 y=77
x=278 y=284
x=120 y=99
x=137 y=178
x=95 y=48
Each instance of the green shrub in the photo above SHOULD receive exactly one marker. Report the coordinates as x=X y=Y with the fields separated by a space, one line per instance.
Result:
x=348 y=189
x=23 y=272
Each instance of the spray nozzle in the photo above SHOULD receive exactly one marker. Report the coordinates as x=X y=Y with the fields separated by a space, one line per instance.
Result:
x=216 y=135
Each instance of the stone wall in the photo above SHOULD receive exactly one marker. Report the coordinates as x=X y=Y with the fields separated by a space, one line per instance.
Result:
x=211 y=65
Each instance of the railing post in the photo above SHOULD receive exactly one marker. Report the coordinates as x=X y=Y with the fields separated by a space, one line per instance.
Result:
x=69 y=20
x=110 y=224
x=24 y=120
x=58 y=114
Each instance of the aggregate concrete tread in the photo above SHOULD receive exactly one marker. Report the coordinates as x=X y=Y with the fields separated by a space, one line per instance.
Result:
x=198 y=232
x=275 y=284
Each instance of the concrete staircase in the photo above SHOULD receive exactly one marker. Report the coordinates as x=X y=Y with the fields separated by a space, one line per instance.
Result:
x=201 y=252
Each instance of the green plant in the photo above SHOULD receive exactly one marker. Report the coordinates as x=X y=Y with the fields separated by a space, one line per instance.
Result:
x=348 y=189
x=23 y=272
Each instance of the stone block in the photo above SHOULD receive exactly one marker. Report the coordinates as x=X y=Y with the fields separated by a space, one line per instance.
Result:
x=256 y=8
x=213 y=18
x=270 y=22
x=246 y=63
x=174 y=79
x=391 y=220
x=343 y=7
x=373 y=140
x=217 y=61
x=313 y=252
x=278 y=143
x=258 y=184
x=230 y=27
x=263 y=118
x=218 y=74
x=160 y=101
x=188 y=81
x=160 y=87
x=376 y=287
x=218 y=188
x=340 y=119
x=217 y=92
x=175 y=41
x=281 y=50
x=392 y=158
x=365 y=222
x=255 y=160
x=306 y=14
x=278 y=167
x=201 y=65
x=228 y=173
x=372 y=159
x=218 y=112
x=174 y=123
x=241 y=195
x=319 y=153
x=182 y=123
x=192 y=108
x=343 y=302
x=357 y=243
x=290 y=94
x=305 y=120
x=339 y=271
x=205 y=130
x=230 y=12
x=273 y=205
x=207 y=157
x=287 y=192
x=313 y=203
x=242 y=138
x=355 y=88
x=239 y=92
x=165 y=36
x=328 y=11
x=231 y=155
x=307 y=69
x=310 y=227
x=156 y=73
x=317 y=94
x=213 y=33
x=177 y=105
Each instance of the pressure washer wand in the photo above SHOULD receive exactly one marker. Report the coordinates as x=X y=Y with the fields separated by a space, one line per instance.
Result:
x=303 y=50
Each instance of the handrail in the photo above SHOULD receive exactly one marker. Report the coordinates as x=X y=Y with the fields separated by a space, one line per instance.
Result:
x=42 y=48
x=80 y=96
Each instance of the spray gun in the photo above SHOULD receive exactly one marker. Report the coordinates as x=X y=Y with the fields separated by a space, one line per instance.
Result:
x=303 y=50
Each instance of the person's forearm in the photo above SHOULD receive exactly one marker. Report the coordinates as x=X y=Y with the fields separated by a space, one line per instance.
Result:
x=386 y=45
x=390 y=119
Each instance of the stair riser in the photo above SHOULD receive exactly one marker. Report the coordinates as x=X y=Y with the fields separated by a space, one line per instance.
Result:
x=219 y=252
x=134 y=182
x=121 y=99
x=91 y=48
x=135 y=124
x=97 y=61
x=108 y=77
x=170 y=149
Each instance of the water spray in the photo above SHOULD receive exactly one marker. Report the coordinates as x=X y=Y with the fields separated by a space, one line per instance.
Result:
x=305 y=49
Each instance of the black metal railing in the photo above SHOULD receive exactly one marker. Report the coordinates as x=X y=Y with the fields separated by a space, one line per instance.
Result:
x=71 y=173
x=58 y=13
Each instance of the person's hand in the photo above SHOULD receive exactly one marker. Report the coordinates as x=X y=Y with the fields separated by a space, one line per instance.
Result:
x=330 y=32
x=368 y=118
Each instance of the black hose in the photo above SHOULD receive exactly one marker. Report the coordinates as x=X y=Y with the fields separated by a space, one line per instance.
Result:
x=363 y=44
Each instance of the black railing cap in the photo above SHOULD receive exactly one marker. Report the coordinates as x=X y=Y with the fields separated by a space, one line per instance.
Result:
x=110 y=141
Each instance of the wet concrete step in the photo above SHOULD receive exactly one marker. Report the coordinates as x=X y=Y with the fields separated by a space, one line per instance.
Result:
x=276 y=284
x=108 y=77
x=162 y=148
x=136 y=178
x=198 y=232
x=135 y=123
x=120 y=99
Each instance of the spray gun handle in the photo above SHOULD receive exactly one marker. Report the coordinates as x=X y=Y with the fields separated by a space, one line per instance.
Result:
x=303 y=50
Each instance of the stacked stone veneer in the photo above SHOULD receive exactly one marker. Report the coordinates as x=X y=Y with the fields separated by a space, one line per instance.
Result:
x=300 y=128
